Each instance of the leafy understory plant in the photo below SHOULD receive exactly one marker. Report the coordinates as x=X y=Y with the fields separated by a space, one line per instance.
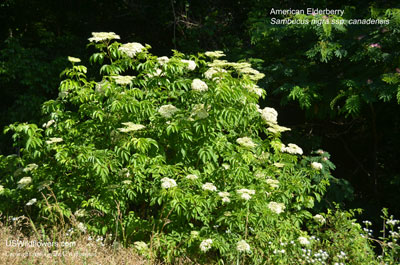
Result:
x=174 y=156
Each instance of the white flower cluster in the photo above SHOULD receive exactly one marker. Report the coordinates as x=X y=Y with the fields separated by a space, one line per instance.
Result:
x=209 y=186
x=192 y=177
x=205 y=245
x=25 y=181
x=292 y=149
x=255 y=89
x=213 y=71
x=167 y=183
x=198 y=85
x=275 y=128
x=191 y=65
x=246 y=142
x=194 y=234
x=140 y=245
x=276 y=207
x=158 y=72
x=30 y=167
x=274 y=183
x=131 y=49
x=53 y=140
x=102 y=36
x=226 y=166
x=81 y=227
x=270 y=115
x=48 y=124
x=74 y=60
x=199 y=112
x=31 y=202
x=316 y=165
x=80 y=213
x=242 y=246
x=130 y=127
x=127 y=182
x=124 y=172
x=303 y=240
x=224 y=196
x=245 y=194
x=162 y=60
x=167 y=110
x=253 y=74
x=215 y=54
x=319 y=218
x=123 y=79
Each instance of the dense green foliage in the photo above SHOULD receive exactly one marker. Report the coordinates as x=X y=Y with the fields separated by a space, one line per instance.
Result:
x=179 y=155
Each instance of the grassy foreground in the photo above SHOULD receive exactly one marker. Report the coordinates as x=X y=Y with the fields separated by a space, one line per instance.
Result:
x=17 y=248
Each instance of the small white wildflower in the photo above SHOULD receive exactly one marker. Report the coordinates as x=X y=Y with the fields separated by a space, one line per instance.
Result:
x=74 y=60
x=392 y=222
x=316 y=165
x=368 y=223
x=25 y=181
x=246 y=142
x=131 y=49
x=276 y=207
x=198 y=85
x=167 y=110
x=130 y=127
x=214 y=54
x=53 y=140
x=209 y=186
x=31 y=202
x=103 y=36
x=242 y=246
x=273 y=183
x=167 y=183
x=191 y=65
x=192 y=177
x=123 y=79
x=303 y=240
x=30 y=167
x=205 y=245
x=319 y=218
x=162 y=60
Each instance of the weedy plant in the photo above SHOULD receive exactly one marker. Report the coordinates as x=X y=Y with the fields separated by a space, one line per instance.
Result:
x=174 y=156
